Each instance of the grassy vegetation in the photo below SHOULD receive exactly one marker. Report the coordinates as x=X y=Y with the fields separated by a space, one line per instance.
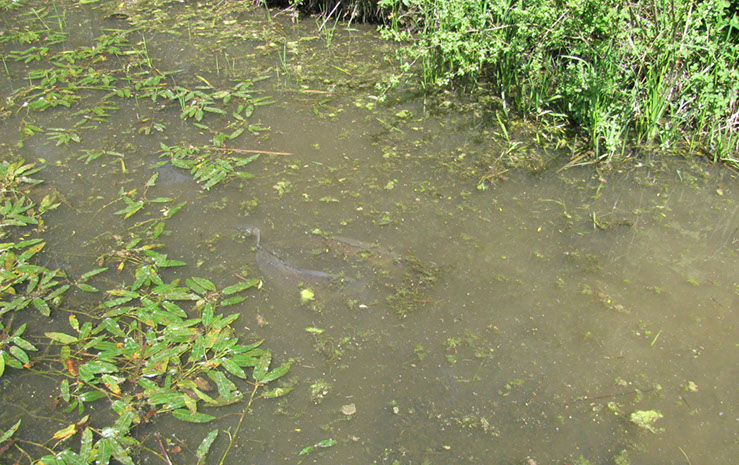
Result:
x=628 y=74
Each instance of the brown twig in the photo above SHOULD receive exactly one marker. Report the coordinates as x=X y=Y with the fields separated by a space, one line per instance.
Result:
x=164 y=451
x=608 y=396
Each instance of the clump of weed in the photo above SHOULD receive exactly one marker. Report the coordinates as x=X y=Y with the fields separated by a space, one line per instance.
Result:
x=646 y=419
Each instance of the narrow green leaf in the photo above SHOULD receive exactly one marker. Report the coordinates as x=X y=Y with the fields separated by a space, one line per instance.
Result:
x=204 y=446
x=237 y=299
x=9 y=433
x=61 y=338
x=233 y=289
x=64 y=388
x=195 y=287
x=326 y=443
x=87 y=287
x=92 y=273
x=186 y=415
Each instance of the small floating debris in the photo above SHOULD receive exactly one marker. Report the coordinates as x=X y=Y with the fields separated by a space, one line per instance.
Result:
x=349 y=409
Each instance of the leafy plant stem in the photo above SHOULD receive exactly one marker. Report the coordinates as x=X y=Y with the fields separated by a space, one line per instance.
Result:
x=238 y=426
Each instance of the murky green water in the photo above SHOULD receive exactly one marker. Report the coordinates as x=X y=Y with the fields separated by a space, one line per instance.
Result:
x=528 y=319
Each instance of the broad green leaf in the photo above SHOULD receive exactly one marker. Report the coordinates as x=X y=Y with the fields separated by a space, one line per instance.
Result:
x=105 y=451
x=234 y=368
x=19 y=354
x=276 y=373
x=42 y=306
x=204 y=446
x=195 y=287
x=225 y=385
x=23 y=344
x=123 y=423
x=152 y=180
x=2 y=363
x=91 y=396
x=326 y=443
x=86 y=443
x=186 y=415
x=305 y=450
x=174 y=309
x=120 y=453
x=61 y=338
x=205 y=284
x=260 y=370
x=224 y=322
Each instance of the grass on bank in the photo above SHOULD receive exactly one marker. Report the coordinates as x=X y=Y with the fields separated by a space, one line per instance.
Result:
x=627 y=73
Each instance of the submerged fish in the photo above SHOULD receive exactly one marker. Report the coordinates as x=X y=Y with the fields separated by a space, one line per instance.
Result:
x=276 y=269
x=282 y=274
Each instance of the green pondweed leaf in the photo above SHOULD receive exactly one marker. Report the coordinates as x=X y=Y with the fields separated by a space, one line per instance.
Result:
x=131 y=207
x=42 y=306
x=86 y=443
x=324 y=443
x=61 y=338
x=232 y=300
x=260 y=370
x=276 y=392
x=87 y=287
x=119 y=453
x=19 y=354
x=64 y=389
x=152 y=180
x=105 y=451
x=204 y=446
x=233 y=289
x=92 y=273
x=10 y=432
x=233 y=368
x=276 y=373
x=186 y=415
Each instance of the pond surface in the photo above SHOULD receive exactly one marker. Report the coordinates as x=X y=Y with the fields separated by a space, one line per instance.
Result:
x=467 y=319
